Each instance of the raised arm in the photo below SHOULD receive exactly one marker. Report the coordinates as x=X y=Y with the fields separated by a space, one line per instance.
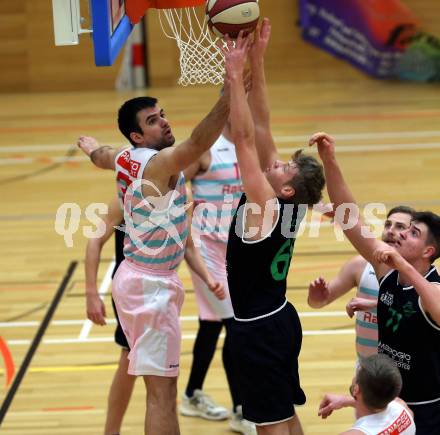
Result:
x=172 y=160
x=255 y=184
x=258 y=99
x=94 y=305
x=102 y=156
x=340 y=194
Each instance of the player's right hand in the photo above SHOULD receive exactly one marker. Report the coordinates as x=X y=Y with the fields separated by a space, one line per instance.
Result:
x=95 y=309
x=87 y=144
x=330 y=403
x=325 y=144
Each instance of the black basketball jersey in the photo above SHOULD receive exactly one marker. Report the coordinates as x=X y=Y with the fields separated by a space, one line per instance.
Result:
x=119 y=248
x=410 y=338
x=257 y=270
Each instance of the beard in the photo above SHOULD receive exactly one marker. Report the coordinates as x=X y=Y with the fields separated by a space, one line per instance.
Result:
x=164 y=143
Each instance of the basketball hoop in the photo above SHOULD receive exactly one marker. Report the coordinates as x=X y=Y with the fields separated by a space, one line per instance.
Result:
x=201 y=61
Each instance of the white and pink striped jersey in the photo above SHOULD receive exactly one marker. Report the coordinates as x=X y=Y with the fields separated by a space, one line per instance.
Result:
x=155 y=227
x=216 y=193
x=366 y=321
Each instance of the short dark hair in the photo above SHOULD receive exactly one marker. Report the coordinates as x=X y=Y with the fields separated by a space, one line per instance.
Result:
x=401 y=209
x=127 y=115
x=309 y=181
x=432 y=221
x=379 y=381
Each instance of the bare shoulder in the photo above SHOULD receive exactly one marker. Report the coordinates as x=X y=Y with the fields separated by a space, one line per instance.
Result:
x=358 y=264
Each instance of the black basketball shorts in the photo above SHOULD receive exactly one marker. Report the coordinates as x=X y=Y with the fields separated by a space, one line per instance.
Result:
x=119 y=333
x=266 y=354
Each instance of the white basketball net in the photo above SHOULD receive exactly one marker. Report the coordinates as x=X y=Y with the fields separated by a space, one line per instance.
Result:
x=201 y=61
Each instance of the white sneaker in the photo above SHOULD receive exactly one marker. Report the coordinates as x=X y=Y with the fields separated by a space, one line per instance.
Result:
x=201 y=405
x=238 y=424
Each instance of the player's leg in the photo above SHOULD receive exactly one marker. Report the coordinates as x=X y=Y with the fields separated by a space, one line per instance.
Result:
x=274 y=429
x=195 y=402
x=119 y=395
x=203 y=352
x=295 y=427
x=161 y=415
x=230 y=367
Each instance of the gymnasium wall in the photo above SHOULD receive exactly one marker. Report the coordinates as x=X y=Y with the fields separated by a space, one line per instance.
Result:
x=29 y=60
x=31 y=63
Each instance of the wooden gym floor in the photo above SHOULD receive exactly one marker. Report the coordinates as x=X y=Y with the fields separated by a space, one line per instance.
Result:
x=388 y=140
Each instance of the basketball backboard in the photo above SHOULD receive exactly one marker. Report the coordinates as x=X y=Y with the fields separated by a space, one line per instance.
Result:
x=110 y=26
x=112 y=21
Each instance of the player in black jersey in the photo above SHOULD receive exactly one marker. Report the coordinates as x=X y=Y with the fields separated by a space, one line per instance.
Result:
x=266 y=332
x=409 y=296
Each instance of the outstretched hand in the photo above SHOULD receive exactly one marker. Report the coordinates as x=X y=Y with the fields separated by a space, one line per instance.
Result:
x=261 y=40
x=330 y=403
x=87 y=144
x=325 y=143
x=318 y=292
x=235 y=55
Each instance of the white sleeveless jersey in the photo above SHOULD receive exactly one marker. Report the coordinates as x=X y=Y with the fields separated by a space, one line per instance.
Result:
x=156 y=233
x=216 y=193
x=366 y=321
x=395 y=420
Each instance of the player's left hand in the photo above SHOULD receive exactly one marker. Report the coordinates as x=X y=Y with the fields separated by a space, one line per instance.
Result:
x=359 y=304
x=261 y=40
x=217 y=288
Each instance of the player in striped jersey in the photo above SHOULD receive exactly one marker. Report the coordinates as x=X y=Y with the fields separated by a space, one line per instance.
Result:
x=123 y=383
x=357 y=272
x=146 y=289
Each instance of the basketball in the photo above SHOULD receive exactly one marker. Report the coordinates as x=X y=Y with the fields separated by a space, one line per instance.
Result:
x=231 y=16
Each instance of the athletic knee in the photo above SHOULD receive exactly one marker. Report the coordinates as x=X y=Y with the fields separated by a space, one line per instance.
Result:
x=162 y=391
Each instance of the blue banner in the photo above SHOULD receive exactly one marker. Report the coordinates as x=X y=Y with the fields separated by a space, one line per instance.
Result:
x=382 y=38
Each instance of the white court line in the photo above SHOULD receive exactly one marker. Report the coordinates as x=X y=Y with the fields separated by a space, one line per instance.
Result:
x=182 y=319
x=371 y=147
x=340 y=137
x=340 y=150
x=184 y=337
x=32 y=160
x=87 y=326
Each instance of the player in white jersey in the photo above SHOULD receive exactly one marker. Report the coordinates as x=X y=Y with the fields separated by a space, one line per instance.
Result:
x=357 y=272
x=123 y=383
x=216 y=189
x=146 y=289
x=374 y=393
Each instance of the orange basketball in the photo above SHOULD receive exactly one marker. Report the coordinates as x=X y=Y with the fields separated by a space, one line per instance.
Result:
x=231 y=16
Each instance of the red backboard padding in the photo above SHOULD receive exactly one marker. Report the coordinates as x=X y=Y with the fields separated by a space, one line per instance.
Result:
x=135 y=9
